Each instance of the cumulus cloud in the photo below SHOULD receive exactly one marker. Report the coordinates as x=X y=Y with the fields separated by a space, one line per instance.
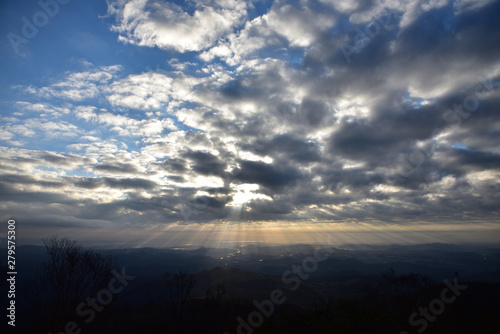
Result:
x=169 y=26
x=145 y=91
x=126 y=126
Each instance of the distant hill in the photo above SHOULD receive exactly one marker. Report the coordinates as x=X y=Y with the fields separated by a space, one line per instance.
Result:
x=473 y=262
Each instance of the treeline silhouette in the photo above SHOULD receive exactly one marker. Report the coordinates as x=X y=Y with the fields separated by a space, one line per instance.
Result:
x=78 y=290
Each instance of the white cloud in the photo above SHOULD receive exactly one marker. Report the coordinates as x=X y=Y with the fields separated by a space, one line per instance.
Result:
x=86 y=112
x=300 y=25
x=168 y=26
x=77 y=86
x=42 y=109
x=40 y=128
x=343 y=6
x=143 y=91
x=256 y=35
x=462 y=6
x=126 y=126
x=5 y=134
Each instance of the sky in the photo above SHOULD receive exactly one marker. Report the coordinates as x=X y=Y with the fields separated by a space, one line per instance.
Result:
x=202 y=123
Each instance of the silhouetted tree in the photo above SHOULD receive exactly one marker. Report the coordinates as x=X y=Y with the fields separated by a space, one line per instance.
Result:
x=179 y=292
x=208 y=311
x=71 y=275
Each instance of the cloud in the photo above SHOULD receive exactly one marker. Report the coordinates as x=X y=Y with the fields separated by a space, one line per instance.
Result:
x=267 y=175
x=120 y=168
x=169 y=26
x=145 y=91
x=299 y=24
x=124 y=183
x=295 y=112
x=204 y=163
x=77 y=86
x=126 y=126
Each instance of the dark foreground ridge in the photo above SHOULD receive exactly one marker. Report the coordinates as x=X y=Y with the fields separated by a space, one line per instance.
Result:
x=431 y=288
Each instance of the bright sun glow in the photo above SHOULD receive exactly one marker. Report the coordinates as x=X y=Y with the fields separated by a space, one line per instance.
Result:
x=246 y=192
x=229 y=234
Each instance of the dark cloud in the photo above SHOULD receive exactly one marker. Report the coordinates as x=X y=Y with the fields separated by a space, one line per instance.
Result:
x=129 y=183
x=274 y=178
x=117 y=168
x=59 y=159
x=270 y=210
x=286 y=147
x=28 y=180
x=389 y=131
x=89 y=183
x=314 y=111
x=124 y=183
x=9 y=193
x=471 y=159
x=434 y=29
x=205 y=163
x=175 y=165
